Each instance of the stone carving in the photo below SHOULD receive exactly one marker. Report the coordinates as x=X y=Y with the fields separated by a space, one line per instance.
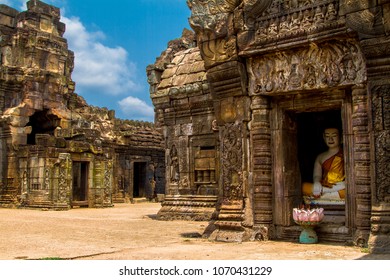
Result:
x=381 y=116
x=46 y=184
x=44 y=117
x=174 y=165
x=381 y=107
x=319 y=66
x=65 y=167
x=7 y=53
x=383 y=166
x=265 y=23
x=107 y=182
x=213 y=21
x=232 y=153
x=368 y=22
x=24 y=183
x=211 y=15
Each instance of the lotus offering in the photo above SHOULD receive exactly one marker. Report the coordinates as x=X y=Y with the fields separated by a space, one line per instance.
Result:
x=308 y=218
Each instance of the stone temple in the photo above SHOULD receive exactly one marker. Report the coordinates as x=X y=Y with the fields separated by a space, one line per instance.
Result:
x=57 y=152
x=244 y=104
x=243 y=113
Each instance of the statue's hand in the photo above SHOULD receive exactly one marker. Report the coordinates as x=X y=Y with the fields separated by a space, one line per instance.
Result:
x=317 y=189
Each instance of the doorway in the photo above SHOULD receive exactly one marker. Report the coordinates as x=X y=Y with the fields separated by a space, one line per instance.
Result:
x=139 y=179
x=297 y=140
x=80 y=183
x=310 y=138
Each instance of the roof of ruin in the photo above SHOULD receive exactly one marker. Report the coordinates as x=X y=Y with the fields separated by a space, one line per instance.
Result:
x=185 y=74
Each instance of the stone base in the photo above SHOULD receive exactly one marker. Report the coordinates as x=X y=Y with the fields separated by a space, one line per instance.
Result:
x=379 y=244
x=231 y=236
x=187 y=207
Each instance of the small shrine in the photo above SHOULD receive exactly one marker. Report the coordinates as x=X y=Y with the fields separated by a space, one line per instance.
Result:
x=246 y=113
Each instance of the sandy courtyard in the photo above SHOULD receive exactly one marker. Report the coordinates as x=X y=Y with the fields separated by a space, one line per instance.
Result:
x=131 y=232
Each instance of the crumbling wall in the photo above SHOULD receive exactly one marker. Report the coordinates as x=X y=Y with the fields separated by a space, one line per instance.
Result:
x=47 y=130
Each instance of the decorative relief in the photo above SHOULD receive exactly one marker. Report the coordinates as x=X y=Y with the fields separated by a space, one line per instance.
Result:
x=232 y=152
x=362 y=18
x=381 y=107
x=65 y=166
x=46 y=180
x=46 y=43
x=212 y=21
x=24 y=182
x=174 y=165
x=381 y=119
x=383 y=166
x=319 y=66
x=211 y=15
x=7 y=55
x=219 y=50
x=289 y=19
x=107 y=182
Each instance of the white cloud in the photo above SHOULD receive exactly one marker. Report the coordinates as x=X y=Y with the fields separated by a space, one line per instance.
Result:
x=136 y=108
x=98 y=68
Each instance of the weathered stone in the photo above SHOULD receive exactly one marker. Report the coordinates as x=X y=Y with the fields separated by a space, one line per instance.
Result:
x=278 y=72
x=50 y=137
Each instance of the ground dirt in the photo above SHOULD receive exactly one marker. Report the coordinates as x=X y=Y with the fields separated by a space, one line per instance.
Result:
x=132 y=232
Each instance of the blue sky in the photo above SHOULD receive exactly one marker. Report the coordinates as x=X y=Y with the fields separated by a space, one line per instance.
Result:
x=113 y=42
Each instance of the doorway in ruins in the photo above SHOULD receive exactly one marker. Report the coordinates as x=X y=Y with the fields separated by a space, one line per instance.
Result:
x=139 y=179
x=297 y=125
x=80 y=183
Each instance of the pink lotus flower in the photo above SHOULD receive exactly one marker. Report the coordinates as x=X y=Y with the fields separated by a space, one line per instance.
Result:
x=308 y=215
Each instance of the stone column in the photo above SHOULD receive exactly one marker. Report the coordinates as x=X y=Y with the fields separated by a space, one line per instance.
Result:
x=260 y=130
x=232 y=107
x=63 y=181
x=213 y=22
x=371 y=20
x=361 y=161
x=379 y=241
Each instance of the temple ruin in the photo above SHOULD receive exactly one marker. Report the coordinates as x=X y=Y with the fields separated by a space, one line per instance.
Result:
x=56 y=151
x=243 y=111
x=241 y=106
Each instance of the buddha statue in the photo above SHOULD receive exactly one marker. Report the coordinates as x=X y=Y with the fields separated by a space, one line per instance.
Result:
x=328 y=185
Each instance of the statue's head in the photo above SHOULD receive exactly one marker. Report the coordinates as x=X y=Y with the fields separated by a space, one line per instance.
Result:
x=332 y=137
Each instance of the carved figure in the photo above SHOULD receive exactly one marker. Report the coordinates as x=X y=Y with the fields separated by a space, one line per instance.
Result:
x=331 y=13
x=285 y=24
x=319 y=15
x=174 y=168
x=295 y=21
x=328 y=174
x=307 y=19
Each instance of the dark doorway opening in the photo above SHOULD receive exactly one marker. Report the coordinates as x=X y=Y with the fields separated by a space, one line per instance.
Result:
x=139 y=179
x=80 y=183
x=42 y=122
x=310 y=138
x=310 y=128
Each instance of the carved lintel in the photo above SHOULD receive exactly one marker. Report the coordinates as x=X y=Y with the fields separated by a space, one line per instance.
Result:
x=330 y=64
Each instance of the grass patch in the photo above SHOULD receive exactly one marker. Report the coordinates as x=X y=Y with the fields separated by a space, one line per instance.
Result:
x=52 y=259
x=365 y=250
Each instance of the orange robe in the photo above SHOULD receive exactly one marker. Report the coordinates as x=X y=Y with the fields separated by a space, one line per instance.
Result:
x=333 y=170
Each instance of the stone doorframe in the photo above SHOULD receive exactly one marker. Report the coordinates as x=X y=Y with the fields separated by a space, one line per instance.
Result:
x=273 y=198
